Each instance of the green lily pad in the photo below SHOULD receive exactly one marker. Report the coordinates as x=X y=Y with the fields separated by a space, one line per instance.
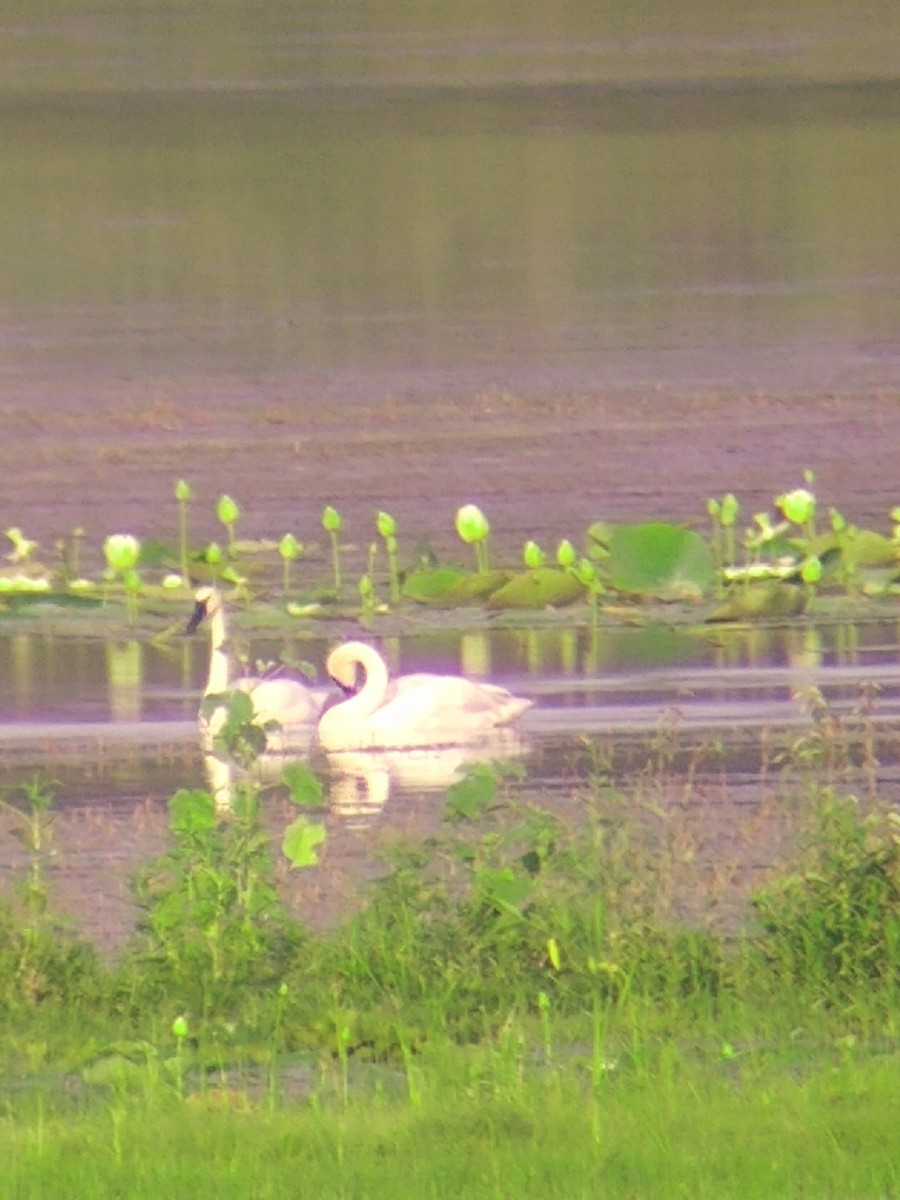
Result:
x=661 y=560
x=543 y=587
x=451 y=586
x=431 y=585
x=869 y=549
x=772 y=598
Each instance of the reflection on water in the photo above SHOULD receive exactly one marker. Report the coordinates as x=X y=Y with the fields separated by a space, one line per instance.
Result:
x=60 y=679
x=361 y=782
x=68 y=699
x=713 y=236
x=658 y=713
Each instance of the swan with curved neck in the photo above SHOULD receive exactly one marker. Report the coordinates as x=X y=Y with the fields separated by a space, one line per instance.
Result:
x=287 y=701
x=413 y=710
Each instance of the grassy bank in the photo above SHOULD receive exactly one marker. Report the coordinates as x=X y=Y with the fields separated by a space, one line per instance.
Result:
x=508 y=1013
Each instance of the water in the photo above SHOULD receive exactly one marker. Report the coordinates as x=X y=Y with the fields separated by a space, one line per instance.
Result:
x=571 y=203
x=274 y=217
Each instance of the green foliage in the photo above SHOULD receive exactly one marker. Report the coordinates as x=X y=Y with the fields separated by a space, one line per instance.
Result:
x=832 y=928
x=543 y=587
x=450 y=587
x=474 y=529
x=507 y=903
x=771 y=598
x=239 y=736
x=661 y=560
x=332 y=523
x=212 y=924
x=42 y=964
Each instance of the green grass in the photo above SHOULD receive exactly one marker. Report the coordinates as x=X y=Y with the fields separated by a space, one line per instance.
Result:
x=511 y=1013
x=476 y=1128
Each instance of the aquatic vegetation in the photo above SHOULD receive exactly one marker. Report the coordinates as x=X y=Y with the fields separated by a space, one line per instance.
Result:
x=474 y=529
x=799 y=506
x=533 y=556
x=23 y=547
x=229 y=512
x=184 y=494
x=724 y=514
x=649 y=562
x=289 y=550
x=764 y=599
x=122 y=552
x=331 y=523
x=387 y=527
x=542 y=587
x=657 y=559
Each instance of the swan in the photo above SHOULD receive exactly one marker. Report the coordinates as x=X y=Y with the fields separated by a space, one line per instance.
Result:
x=287 y=701
x=414 y=710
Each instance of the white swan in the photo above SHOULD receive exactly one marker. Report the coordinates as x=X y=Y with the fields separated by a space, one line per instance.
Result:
x=414 y=710
x=288 y=701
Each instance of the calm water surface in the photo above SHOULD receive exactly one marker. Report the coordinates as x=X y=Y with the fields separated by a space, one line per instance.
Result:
x=375 y=204
x=579 y=200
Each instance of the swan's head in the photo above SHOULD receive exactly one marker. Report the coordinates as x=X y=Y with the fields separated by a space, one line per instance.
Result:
x=343 y=667
x=206 y=602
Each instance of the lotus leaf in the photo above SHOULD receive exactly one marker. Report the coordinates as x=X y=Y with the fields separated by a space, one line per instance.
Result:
x=544 y=587
x=755 y=601
x=868 y=549
x=450 y=585
x=661 y=560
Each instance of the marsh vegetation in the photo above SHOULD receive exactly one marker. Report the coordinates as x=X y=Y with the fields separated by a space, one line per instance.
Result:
x=522 y=986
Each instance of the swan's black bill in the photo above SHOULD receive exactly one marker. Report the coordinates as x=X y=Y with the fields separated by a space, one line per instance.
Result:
x=196 y=616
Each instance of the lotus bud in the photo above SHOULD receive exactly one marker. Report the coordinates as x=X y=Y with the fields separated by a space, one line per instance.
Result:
x=122 y=551
x=386 y=524
x=227 y=510
x=565 y=553
x=533 y=555
x=471 y=523
x=730 y=509
x=798 y=506
x=331 y=519
x=811 y=570
x=289 y=548
x=183 y=491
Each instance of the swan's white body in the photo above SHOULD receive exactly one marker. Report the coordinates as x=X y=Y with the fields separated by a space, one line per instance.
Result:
x=290 y=703
x=414 y=710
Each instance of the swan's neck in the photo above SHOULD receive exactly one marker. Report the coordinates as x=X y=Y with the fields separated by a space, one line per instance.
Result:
x=371 y=695
x=218 y=659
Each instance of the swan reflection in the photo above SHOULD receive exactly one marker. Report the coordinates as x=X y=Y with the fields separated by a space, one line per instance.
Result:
x=360 y=782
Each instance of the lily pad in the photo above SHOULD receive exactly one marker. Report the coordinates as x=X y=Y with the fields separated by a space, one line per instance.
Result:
x=661 y=560
x=757 y=601
x=431 y=585
x=543 y=587
x=451 y=586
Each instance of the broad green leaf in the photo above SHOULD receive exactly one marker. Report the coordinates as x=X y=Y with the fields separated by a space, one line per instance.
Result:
x=544 y=587
x=304 y=788
x=662 y=560
x=471 y=795
x=758 y=601
x=430 y=586
x=191 y=810
x=300 y=840
x=504 y=888
x=451 y=586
